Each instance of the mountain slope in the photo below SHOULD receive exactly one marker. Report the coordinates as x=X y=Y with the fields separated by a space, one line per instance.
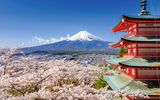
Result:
x=82 y=41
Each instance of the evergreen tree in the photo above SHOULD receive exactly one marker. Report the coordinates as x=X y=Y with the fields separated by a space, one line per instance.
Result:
x=122 y=51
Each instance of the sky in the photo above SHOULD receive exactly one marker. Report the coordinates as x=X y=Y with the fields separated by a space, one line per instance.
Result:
x=23 y=22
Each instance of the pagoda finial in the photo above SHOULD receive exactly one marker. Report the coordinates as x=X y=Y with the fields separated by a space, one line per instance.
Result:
x=144 y=8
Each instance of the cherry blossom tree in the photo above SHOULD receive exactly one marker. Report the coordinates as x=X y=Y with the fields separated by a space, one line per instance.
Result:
x=6 y=55
x=28 y=78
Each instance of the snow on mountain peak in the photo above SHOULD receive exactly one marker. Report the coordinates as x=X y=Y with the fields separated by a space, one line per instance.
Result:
x=83 y=36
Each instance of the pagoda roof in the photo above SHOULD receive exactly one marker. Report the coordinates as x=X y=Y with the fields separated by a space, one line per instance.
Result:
x=117 y=60
x=147 y=62
x=139 y=62
x=129 y=84
x=142 y=39
x=115 y=44
x=123 y=26
x=143 y=17
x=128 y=21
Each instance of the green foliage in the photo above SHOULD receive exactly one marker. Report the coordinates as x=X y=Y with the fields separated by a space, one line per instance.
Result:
x=60 y=83
x=39 y=99
x=108 y=68
x=14 y=92
x=122 y=51
x=113 y=68
x=23 y=90
x=100 y=65
x=52 y=88
x=69 y=82
x=100 y=83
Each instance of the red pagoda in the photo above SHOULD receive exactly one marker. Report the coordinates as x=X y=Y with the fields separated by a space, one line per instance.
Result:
x=140 y=66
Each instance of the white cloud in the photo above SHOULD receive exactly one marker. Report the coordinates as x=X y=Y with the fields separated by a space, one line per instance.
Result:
x=39 y=41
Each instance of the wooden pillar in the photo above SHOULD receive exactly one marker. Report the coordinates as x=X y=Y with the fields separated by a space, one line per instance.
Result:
x=137 y=31
x=137 y=49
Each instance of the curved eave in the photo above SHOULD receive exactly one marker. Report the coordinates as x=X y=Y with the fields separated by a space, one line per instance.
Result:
x=115 y=45
x=116 y=61
x=122 y=27
x=135 y=62
x=115 y=65
x=125 y=41
x=141 y=63
x=129 y=84
x=128 y=21
x=139 y=66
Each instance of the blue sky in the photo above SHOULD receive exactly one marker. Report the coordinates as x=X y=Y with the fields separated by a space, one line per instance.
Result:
x=23 y=20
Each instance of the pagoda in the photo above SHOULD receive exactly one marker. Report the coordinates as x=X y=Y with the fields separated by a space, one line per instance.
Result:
x=140 y=66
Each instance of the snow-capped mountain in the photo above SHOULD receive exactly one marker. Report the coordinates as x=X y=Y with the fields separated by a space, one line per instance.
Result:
x=83 y=36
x=82 y=41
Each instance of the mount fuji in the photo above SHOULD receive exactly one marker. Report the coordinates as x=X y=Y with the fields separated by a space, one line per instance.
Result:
x=84 y=36
x=82 y=41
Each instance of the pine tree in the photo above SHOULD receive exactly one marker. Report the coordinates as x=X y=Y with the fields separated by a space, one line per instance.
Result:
x=122 y=51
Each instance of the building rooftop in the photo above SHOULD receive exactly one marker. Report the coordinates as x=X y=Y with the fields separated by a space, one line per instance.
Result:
x=129 y=84
x=146 y=62
x=142 y=62
x=141 y=39
x=143 y=17
x=116 y=61
x=129 y=21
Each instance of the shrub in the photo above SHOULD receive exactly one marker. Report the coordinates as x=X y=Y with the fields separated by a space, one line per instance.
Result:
x=22 y=91
x=122 y=51
x=100 y=83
